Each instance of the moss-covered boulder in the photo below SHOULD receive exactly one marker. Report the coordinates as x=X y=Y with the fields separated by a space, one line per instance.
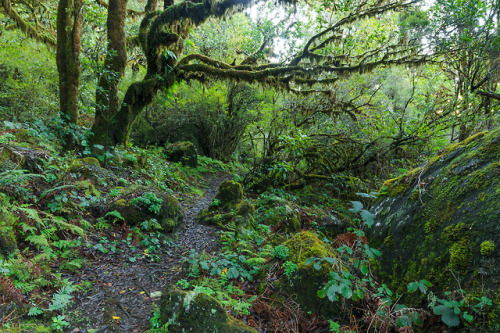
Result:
x=138 y=204
x=9 y=158
x=433 y=222
x=230 y=194
x=187 y=311
x=184 y=152
x=214 y=219
x=90 y=168
x=304 y=284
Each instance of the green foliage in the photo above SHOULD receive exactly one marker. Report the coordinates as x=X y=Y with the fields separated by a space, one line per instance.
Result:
x=281 y=252
x=28 y=83
x=148 y=200
x=487 y=248
x=453 y=311
x=290 y=268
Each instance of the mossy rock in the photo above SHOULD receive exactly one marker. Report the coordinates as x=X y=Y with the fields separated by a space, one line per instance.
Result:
x=284 y=217
x=230 y=194
x=187 y=311
x=244 y=208
x=168 y=211
x=449 y=207
x=184 y=152
x=90 y=168
x=214 y=219
x=306 y=282
x=10 y=159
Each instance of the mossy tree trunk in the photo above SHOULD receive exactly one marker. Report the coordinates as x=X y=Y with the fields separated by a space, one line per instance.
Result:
x=110 y=119
x=69 y=28
x=107 y=100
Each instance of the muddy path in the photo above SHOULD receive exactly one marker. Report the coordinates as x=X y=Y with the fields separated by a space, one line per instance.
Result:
x=127 y=282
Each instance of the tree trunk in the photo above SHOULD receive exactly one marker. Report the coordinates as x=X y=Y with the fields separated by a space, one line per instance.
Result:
x=107 y=100
x=69 y=29
x=115 y=127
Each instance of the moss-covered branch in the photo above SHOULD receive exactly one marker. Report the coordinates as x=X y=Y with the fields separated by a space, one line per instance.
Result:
x=27 y=28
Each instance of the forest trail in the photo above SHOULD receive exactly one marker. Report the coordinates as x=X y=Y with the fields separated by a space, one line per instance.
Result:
x=123 y=293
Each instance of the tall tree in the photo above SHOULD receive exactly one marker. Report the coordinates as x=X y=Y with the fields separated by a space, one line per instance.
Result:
x=69 y=26
x=107 y=100
x=466 y=33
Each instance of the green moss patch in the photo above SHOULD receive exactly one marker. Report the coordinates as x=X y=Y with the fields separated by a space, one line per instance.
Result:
x=438 y=234
x=182 y=311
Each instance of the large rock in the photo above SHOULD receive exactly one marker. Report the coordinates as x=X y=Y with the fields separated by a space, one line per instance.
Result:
x=187 y=311
x=441 y=222
x=138 y=204
x=305 y=283
x=229 y=195
x=90 y=168
x=184 y=152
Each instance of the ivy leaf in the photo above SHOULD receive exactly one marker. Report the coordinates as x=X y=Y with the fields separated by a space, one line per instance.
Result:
x=346 y=291
x=232 y=273
x=468 y=317
x=356 y=207
x=310 y=260
x=450 y=318
x=332 y=292
x=367 y=217
x=331 y=260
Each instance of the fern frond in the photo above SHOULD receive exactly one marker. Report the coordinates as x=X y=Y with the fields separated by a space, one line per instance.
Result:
x=63 y=225
x=61 y=299
x=38 y=240
x=86 y=225
x=27 y=228
x=16 y=176
x=55 y=189
x=30 y=213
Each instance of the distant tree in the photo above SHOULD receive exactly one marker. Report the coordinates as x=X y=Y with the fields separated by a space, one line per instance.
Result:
x=466 y=33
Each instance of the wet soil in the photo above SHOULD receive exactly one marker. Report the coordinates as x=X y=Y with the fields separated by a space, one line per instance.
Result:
x=127 y=282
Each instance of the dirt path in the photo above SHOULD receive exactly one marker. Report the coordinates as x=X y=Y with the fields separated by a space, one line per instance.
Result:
x=123 y=293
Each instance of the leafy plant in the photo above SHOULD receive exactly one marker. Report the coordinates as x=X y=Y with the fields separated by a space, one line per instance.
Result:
x=290 y=268
x=149 y=200
x=281 y=252
x=453 y=311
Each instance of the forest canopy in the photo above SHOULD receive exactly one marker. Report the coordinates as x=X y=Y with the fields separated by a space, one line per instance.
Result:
x=114 y=58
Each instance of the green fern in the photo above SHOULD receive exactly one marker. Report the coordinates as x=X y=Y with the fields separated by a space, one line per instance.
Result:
x=38 y=240
x=101 y=224
x=30 y=213
x=116 y=215
x=17 y=177
x=26 y=228
x=61 y=299
x=61 y=224
x=55 y=189
x=86 y=225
